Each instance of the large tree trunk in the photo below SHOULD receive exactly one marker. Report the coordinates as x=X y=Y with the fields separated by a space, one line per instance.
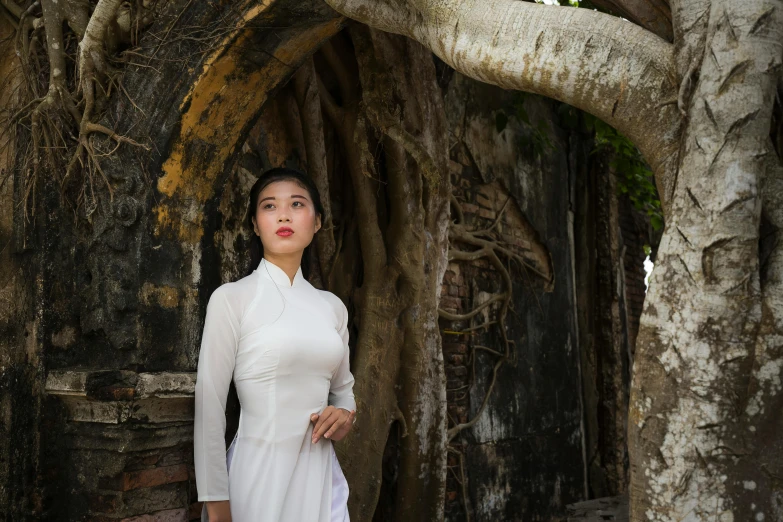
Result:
x=706 y=395
x=598 y=63
x=399 y=363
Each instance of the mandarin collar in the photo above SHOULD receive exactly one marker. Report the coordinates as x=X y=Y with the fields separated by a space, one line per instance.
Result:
x=278 y=275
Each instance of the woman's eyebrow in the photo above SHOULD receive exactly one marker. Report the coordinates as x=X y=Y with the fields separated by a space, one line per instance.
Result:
x=292 y=195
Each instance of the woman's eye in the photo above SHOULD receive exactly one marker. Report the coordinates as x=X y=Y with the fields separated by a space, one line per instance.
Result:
x=271 y=205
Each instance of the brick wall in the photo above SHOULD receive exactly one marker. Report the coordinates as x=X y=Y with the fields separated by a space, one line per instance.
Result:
x=465 y=284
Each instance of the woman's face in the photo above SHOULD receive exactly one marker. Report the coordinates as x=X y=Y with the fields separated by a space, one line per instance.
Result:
x=285 y=205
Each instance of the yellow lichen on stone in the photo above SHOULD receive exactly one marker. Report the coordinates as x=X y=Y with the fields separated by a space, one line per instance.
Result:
x=164 y=296
x=222 y=102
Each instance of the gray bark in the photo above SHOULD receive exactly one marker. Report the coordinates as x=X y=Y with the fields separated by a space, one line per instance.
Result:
x=706 y=389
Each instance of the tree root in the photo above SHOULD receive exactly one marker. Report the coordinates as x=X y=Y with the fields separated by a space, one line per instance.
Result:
x=490 y=249
x=49 y=112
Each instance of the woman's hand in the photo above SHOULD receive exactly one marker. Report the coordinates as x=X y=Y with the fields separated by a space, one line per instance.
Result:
x=333 y=423
x=218 y=510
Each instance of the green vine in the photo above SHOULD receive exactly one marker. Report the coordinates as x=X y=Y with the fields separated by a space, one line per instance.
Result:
x=635 y=179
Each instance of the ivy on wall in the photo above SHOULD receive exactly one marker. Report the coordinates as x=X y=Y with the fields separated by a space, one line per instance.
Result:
x=634 y=177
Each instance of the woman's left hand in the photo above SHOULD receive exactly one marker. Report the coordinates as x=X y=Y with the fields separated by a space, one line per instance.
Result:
x=333 y=423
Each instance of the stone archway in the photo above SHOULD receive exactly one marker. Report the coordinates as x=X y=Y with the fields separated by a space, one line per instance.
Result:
x=139 y=276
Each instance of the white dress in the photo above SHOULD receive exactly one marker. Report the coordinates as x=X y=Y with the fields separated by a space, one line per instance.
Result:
x=286 y=348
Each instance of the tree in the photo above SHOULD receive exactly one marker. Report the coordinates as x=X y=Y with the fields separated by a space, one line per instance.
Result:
x=704 y=425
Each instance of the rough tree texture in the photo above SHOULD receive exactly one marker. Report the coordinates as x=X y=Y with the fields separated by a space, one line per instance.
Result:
x=398 y=360
x=706 y=396
x=603 y=328
x=707 y=378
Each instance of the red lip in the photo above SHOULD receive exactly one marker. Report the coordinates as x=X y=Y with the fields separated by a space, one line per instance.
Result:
x=284 y=231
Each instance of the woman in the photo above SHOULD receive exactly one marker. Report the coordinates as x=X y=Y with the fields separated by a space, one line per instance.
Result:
x=285 y=345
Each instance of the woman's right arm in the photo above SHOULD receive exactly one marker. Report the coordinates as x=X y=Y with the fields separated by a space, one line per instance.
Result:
x=217 y=355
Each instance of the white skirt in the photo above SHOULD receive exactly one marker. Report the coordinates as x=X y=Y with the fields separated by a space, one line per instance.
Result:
x=339 y=488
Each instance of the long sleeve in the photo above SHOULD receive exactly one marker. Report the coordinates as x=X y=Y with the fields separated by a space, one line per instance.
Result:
x=215 y=370
x=341 y=390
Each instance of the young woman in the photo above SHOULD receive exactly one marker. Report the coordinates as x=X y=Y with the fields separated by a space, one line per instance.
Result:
x=285 y=345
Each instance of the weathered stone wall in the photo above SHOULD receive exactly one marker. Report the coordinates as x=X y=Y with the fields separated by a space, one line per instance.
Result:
x=90 y=314
x=21 y=364
x=522 y=460
x=554 y=430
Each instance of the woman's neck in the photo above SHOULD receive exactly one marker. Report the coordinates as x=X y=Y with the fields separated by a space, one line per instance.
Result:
x=289 y=263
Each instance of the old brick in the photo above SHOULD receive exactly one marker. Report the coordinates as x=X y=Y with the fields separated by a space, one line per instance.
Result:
x=455 y=347
x=195 y=511
x=456 y=358
x=489 y=214
x=167 y=515
x=154 y=477
x=484 y=201
x=101 y=503
x=176 y=456
x=458 y=371
x=453 y=383
x=450 y=302
x=142 y=461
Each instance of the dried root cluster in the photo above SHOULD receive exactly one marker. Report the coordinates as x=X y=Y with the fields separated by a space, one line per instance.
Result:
x=71 y=54
x=470 y=243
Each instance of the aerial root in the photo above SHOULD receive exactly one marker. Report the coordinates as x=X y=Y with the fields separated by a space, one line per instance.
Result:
x=488 y=247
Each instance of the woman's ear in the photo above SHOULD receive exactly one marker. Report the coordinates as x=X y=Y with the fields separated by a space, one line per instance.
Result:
x=317 y=222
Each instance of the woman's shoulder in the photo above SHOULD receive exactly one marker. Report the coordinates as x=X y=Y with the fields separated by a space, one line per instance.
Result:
x=335 y=302
x=236 y=294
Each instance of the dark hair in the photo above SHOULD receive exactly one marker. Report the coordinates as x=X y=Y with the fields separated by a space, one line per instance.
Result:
x=270 y=176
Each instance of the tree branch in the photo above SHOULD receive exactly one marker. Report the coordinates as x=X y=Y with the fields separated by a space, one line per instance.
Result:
x=308 y=99
x=12 y=8
x=653 y=15
x=350 y=128
x=598 y=63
